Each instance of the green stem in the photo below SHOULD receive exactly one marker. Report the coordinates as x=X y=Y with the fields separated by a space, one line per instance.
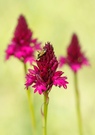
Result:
x=78 y=105
x=33 y=121
x=46 y=100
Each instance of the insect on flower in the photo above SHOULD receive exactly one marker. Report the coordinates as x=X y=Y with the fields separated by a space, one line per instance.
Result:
x=41 y=53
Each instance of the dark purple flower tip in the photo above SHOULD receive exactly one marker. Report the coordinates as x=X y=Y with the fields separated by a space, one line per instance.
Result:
x=22 y=45
x=75 y=57
x=44 y=74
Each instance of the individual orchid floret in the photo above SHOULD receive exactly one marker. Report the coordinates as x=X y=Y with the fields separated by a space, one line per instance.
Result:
x=44 y=75
x=75 y=57
x=23 y=45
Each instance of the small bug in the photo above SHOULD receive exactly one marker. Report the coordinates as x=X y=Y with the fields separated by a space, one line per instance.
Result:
x=41 y=53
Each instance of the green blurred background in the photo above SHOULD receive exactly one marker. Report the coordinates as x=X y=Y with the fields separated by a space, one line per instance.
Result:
x=54 y=21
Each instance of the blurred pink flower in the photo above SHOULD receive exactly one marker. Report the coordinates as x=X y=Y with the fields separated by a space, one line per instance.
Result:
x=22 y=45
x=75 y=57
x=44 y=75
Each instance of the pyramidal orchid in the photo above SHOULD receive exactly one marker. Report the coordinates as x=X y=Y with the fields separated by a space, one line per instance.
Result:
x=75 y=57
x=23 y=45
x=44 y=74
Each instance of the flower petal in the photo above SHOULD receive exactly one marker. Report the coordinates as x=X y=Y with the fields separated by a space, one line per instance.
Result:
x=58 y=80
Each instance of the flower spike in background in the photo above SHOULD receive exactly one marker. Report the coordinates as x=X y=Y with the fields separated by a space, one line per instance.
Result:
x=75 y=57
x=22 y=45
x=44 y=76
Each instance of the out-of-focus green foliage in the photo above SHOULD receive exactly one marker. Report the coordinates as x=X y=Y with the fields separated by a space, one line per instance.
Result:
x=54 y=21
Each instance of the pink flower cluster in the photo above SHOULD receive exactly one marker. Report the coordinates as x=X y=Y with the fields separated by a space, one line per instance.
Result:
x=75 y=57
x=22 y=45
x=44 y=74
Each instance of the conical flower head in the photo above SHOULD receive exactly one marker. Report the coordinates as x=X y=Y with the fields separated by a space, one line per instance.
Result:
x=75 y=57
x=22 y=34
x=22 y=45
x=44 y=74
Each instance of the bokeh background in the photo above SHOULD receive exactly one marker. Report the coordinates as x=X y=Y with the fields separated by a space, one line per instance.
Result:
x=54 y=21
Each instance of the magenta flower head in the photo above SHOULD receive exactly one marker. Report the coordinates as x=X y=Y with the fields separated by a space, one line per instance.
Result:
x=22 y=45
x=44 y=74
x=75 y=57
